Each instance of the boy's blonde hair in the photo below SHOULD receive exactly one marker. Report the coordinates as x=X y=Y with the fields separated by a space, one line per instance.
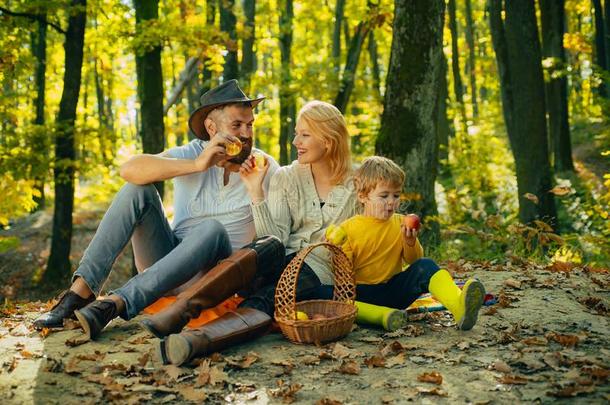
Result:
x=327 y=123
x=375 y=170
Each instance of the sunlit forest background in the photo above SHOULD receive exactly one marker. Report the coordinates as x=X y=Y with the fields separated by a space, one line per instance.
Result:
x=144 y=64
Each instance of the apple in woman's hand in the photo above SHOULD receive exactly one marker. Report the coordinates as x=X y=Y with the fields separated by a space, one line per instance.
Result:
x=411 y=221
x=336 y=235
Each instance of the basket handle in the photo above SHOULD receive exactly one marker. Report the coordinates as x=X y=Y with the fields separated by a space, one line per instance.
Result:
x=285 y=292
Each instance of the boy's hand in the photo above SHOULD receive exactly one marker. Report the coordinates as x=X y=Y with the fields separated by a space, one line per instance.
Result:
x=409 y=235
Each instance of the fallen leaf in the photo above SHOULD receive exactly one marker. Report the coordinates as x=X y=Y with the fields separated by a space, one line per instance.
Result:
x=203 y=376
x=175 y=372
x=139 y=340
x=571 y=391
x=349 y=367
x=329 y=401
x=218 y=376
x=463 y=345
x=511 y=282
x=340 y=351
x=535 y=341
x=193 y=394
x=243 y=362
x=531 y=197
x=310 y=360
x=371 y=339
x=431 y=391
x=143 y=360
x=77 y=340
x=501 y=366
x=95 y=356
x=286 y=392
x=490 y=311
x=564 y=340
x=399 y=359
x=376 y=360
x=512 y=379
x=12 y=365
x=72 y=366
x=71 y=324
x=433 y=377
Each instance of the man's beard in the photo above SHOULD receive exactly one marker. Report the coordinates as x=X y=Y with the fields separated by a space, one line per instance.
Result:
x=246 y=149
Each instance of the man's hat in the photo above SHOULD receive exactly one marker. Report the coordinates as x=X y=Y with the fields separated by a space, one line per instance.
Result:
x=226 y=93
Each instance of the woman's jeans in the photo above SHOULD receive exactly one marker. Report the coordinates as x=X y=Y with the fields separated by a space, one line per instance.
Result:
x=163 y=261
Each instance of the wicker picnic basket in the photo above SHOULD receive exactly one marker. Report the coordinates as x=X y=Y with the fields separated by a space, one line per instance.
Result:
x=339 y=313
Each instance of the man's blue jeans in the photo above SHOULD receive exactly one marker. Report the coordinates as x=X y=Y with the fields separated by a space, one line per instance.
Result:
x=163 y=261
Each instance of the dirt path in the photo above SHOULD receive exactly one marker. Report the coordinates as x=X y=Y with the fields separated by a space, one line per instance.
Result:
x=539 y=344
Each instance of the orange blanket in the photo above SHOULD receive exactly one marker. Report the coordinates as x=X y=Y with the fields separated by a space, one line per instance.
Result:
x=206 y=315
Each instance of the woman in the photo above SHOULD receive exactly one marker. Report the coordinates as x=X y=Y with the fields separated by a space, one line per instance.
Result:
x=304 y=198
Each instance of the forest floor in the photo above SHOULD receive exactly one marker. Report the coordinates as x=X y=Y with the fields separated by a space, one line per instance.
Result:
x=546 y=340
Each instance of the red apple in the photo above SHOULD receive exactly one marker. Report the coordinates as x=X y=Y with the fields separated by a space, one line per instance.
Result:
x=412 y=221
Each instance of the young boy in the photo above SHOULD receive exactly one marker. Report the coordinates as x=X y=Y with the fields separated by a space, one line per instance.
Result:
x=379 y=244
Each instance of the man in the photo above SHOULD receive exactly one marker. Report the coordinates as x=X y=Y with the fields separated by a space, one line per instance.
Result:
x=212 y=217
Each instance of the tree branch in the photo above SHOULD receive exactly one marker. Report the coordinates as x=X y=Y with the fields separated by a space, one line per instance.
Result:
x=34 y=17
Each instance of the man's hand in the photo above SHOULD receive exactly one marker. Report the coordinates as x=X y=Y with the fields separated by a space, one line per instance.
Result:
x=253 y=175
x=409 y=235
x=215 y=152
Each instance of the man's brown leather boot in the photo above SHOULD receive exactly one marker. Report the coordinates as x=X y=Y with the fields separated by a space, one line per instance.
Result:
x=263 y=256
x=232 y=328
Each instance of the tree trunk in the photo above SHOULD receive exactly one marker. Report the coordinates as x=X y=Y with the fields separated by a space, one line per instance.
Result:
x=287 y=100
x=471 y=66
x=150 y=86
x=58 y=267
x=206 y=74
x=443 y=129
x=518 y=57
x=600 y=47
x=228 y=23
x=607 y=32
x=553 y=27
x=408 y=132
x=374 y=56
x=458 y=87
x=248 y=62
x=340 y=6
x=104 y=121
x=351 y=65
x=40 y=137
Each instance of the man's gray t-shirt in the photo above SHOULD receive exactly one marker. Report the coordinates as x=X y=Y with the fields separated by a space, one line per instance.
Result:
x=200 y=196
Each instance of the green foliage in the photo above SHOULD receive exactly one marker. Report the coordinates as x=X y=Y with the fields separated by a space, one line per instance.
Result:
x=9 y=242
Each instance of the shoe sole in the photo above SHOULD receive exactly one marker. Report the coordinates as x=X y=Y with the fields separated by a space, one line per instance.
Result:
x=473 y=294
x=177 y=349
x=161 y=355
x=395 y=320
x=84 y=323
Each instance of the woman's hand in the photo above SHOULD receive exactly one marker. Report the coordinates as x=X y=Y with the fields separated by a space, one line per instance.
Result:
x=409 y=235
x=253 y=175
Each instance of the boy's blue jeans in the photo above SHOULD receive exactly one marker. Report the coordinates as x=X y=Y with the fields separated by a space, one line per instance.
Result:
x=164 y=262
x=398 y=292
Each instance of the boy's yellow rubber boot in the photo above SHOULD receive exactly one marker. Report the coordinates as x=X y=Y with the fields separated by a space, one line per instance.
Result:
x=388 y=318
x=464 y=304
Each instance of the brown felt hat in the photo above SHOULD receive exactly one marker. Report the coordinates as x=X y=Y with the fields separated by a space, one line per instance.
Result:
x=227 y=93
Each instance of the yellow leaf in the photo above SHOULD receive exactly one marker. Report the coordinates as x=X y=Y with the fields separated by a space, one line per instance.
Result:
x=560 y=191
x=531 y=197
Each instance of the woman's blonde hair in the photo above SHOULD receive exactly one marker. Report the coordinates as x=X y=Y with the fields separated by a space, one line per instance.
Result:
x=375 y=170
x=327 y=123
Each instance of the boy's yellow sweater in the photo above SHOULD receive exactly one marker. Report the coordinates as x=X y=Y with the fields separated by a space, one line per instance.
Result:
x=375 y=247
